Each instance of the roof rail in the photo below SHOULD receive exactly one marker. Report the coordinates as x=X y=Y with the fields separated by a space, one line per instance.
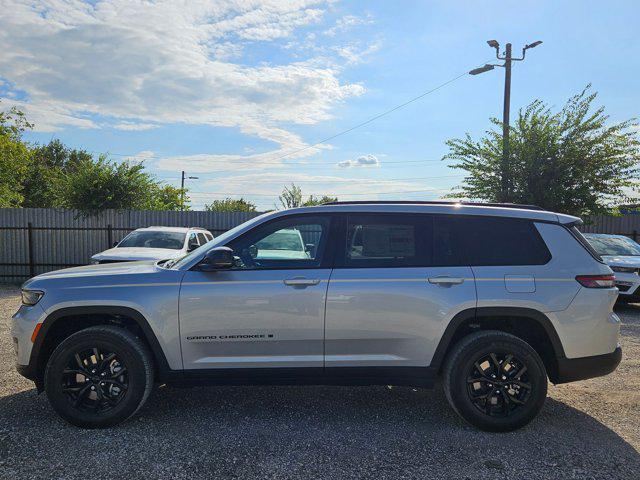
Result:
x=169 y=226
x=436 y=202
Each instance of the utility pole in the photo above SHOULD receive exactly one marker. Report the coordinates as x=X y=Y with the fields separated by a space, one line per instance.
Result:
x=182 y=189
x=505 y=180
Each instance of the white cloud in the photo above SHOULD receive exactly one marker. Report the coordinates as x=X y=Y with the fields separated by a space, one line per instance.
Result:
x=50 y=117
x=153 y=63
x=347 y=22
x=355 y=53
x=369 y=160
x=143 y=156
x=132 y=126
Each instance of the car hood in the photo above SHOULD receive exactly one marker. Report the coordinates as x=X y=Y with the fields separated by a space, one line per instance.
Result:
x=622 y=260
x=137 y=253
x=108 y=269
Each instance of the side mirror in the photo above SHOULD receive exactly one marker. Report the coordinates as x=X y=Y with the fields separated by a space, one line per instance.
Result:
x=115 y=244
x=219 y=258
x=192 y=246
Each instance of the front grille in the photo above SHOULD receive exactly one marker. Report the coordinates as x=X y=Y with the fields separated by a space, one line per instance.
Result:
x=622 y=287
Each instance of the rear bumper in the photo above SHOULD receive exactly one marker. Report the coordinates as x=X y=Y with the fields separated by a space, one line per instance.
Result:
x=573 y=369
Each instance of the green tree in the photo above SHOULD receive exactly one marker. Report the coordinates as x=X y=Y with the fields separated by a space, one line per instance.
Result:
x=311 y=201
x=574 y=161
x=292 y=197
x=15 y=157
x=166 y=197
x=96 y=185
x=45 y=178
x=231 y=205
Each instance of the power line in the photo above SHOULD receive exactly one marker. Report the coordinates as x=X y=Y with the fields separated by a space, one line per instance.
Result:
x=271 y=195
x=373 y=180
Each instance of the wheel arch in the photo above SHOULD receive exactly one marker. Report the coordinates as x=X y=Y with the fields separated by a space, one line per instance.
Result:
x=528 y=324
x=54 y=330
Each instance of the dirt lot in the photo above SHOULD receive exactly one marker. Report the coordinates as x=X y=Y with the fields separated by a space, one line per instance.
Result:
x=587 y=430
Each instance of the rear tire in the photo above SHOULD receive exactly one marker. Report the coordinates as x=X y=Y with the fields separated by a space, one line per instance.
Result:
x=99 y=376
x=495 y=381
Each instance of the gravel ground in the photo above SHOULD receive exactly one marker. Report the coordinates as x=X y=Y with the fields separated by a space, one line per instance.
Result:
x=587 y=430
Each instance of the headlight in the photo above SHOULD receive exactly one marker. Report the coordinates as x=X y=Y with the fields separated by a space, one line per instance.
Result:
x=625 y=269
x=31 y=297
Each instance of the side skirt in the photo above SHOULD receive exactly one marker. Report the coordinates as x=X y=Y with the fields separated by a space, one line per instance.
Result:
x=400 y=376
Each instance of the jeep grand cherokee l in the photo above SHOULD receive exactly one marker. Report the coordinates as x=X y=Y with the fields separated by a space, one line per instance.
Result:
x=495 y=300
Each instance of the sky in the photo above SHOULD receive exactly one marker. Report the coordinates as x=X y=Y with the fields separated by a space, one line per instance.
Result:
x=244 y=94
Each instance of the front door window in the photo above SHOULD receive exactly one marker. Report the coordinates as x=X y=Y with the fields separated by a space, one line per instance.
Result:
x=284 y=244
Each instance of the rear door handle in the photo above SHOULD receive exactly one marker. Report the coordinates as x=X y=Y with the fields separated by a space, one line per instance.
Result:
x=301 y=282
x=444 y=281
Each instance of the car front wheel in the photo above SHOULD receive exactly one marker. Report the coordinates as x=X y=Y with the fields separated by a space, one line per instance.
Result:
x=495 y=381
x=99 y=376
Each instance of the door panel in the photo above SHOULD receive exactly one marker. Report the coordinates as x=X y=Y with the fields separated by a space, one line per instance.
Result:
x=268 y=310
x=391 y=296
x=252 y=319
x=392 y=316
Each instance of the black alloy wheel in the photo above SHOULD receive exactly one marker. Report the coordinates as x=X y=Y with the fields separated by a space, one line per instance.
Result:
x=498 y=384
x=495 y=381
x=99 y=376
x=95 y=380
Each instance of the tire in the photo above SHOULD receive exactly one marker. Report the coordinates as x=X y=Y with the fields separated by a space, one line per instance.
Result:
x=496 y=404
x=99 y=377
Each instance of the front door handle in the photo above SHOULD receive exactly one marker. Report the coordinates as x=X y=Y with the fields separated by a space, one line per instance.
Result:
x=446 y=281
x=301 y=282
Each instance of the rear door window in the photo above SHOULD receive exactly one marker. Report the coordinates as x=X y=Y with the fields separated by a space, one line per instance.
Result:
x=388 y=241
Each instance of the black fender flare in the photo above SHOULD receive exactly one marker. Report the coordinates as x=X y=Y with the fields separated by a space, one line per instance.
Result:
x=473 y=313
x=33 y=370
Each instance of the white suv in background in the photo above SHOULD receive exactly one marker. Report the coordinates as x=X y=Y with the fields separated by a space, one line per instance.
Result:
x=154 y=243
x=623 y=256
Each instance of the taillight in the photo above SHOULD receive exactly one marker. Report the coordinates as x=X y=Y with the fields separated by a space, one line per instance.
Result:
x=597 y=281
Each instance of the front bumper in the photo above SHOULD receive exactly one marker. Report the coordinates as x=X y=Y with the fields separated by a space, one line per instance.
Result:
x=573 y=369
x=628 y=285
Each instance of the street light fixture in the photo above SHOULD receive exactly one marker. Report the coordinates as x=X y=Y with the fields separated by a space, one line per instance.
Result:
x=486 y=68
x=508 y=58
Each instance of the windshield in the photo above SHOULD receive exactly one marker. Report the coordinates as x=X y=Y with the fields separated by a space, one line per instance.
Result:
x=613 y=245
x=218 y=241
x=154 y=239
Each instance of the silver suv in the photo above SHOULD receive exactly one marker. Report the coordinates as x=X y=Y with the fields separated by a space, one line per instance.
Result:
x=492 y=299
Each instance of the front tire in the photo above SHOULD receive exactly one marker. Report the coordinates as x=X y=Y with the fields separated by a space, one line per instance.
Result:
x=99 y=376
x=495 y=381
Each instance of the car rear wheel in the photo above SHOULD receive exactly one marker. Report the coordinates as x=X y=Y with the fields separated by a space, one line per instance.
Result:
x=495 y=381
x=99 y=376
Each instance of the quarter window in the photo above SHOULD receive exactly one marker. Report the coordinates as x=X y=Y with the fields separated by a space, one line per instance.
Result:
x=502 y=241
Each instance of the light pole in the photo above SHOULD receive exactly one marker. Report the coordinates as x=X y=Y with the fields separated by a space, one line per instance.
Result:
x=508 y=58
x=182 y=189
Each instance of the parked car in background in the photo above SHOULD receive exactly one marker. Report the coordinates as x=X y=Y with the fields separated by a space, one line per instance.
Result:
x=623 y=256
x=154 y=243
